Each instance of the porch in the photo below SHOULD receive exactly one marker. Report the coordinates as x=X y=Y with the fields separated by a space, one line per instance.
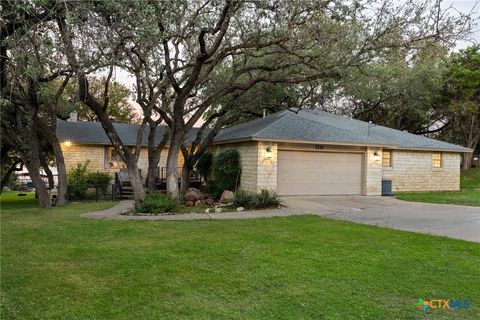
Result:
x=123 y=187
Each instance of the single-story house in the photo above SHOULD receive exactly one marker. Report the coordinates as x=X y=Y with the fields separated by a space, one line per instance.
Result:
x=307 y=152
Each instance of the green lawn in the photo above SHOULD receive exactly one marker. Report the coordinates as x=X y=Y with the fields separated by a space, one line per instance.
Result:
x=469 y=194
x=55 y=265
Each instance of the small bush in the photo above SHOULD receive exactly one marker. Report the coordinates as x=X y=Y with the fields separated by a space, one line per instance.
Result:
x=77 y=181
x=245 y=199
x=266 y=199
x=157 y=202
x=249 y=200
x=80 y=179
x=99 y=180
x=226 y=169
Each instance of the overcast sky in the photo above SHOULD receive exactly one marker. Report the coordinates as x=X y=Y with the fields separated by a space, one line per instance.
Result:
x=465 y=7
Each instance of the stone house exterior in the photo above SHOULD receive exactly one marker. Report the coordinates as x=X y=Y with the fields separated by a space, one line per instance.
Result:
x=317 y=153
x=86 y=140
x=303 y=152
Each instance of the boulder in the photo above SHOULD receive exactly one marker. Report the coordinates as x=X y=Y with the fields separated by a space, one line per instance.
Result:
x=194 y=194
x=227 y=196
x=91 y=193
x=210 y=202
x=189 y=203
x=240 y=209
x=199 y=203
x=218 y=209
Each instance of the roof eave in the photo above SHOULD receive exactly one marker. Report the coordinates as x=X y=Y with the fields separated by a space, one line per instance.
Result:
x=246 y=139
x=465 y=150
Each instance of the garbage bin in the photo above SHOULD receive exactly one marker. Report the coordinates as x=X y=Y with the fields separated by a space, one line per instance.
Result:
x=387 y=188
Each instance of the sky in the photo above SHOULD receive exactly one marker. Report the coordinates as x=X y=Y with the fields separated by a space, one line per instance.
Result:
x=465 y=7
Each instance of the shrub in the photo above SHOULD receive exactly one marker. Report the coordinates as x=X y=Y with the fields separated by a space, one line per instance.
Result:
x=77 y=181
x=213 y=190
x=245 y=199
x=157 y=202
x=226 y=169
x=249 y=200
x=204 y=165
x=99 y=180
x=266 y=199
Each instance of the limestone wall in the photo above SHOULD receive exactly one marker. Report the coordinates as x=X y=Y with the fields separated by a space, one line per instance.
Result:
x=413 y=171
x=372 y=173
x=79 y=153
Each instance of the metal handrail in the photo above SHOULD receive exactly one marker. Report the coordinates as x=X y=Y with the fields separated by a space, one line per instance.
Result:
x=162 y=174
x=118 y=185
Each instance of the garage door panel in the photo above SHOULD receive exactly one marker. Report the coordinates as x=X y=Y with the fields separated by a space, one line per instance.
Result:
x=317 y=173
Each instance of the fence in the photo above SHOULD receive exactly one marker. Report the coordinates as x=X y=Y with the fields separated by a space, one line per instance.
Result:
x=86 y=192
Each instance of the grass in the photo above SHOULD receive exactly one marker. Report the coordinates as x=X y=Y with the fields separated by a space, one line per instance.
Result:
x=55 y=265
x=469 y=194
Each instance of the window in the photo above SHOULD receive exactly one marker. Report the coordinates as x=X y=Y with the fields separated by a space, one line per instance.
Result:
x=386 y=158
x=114 y=159
x=437 y=160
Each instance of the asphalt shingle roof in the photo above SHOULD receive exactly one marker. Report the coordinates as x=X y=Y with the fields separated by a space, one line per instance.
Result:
x=303 y=125
x=89 y=132
x=320 y=126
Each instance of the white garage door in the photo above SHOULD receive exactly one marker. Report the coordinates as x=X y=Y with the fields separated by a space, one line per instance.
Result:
x=319 y=173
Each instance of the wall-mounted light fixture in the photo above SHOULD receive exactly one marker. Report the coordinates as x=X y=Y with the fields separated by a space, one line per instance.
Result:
x=67 y=143
x=376 y=156
x=268 y=153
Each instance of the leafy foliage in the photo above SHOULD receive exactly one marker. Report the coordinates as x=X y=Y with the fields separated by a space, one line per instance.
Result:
x=400 y=92
x=119 y=108
x=213 y=190
x=244 y=199
x=263 y=199
x=463 y=98
x=266 y=199
x=80 y=179
x=204 y=165
x=226 y=169
x=157 y=202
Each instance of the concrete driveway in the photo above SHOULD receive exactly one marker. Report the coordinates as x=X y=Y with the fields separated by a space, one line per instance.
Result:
x=458 y=222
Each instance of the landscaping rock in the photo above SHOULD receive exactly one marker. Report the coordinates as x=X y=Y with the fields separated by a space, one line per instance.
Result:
x=227 y=196
x=207 y=211
x=189 y=203
x=91 y=193
x=240 y=209
x=218 y=210
x=210 y=202
x=199 y=203
x=194 y=194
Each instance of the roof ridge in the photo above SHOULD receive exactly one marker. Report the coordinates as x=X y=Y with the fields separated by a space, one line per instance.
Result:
x=279 y=115
x=379 y=140
x=374 y=125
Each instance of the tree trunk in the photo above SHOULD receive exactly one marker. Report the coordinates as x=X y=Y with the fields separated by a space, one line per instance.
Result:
x=137 y=184
x=32 y=162
x=467 y=160
x=185 y=178
x=33 y=168
x=7 y=175
x=62 y=197
x=153 y=159
x=172 y=164
x=48 y=172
